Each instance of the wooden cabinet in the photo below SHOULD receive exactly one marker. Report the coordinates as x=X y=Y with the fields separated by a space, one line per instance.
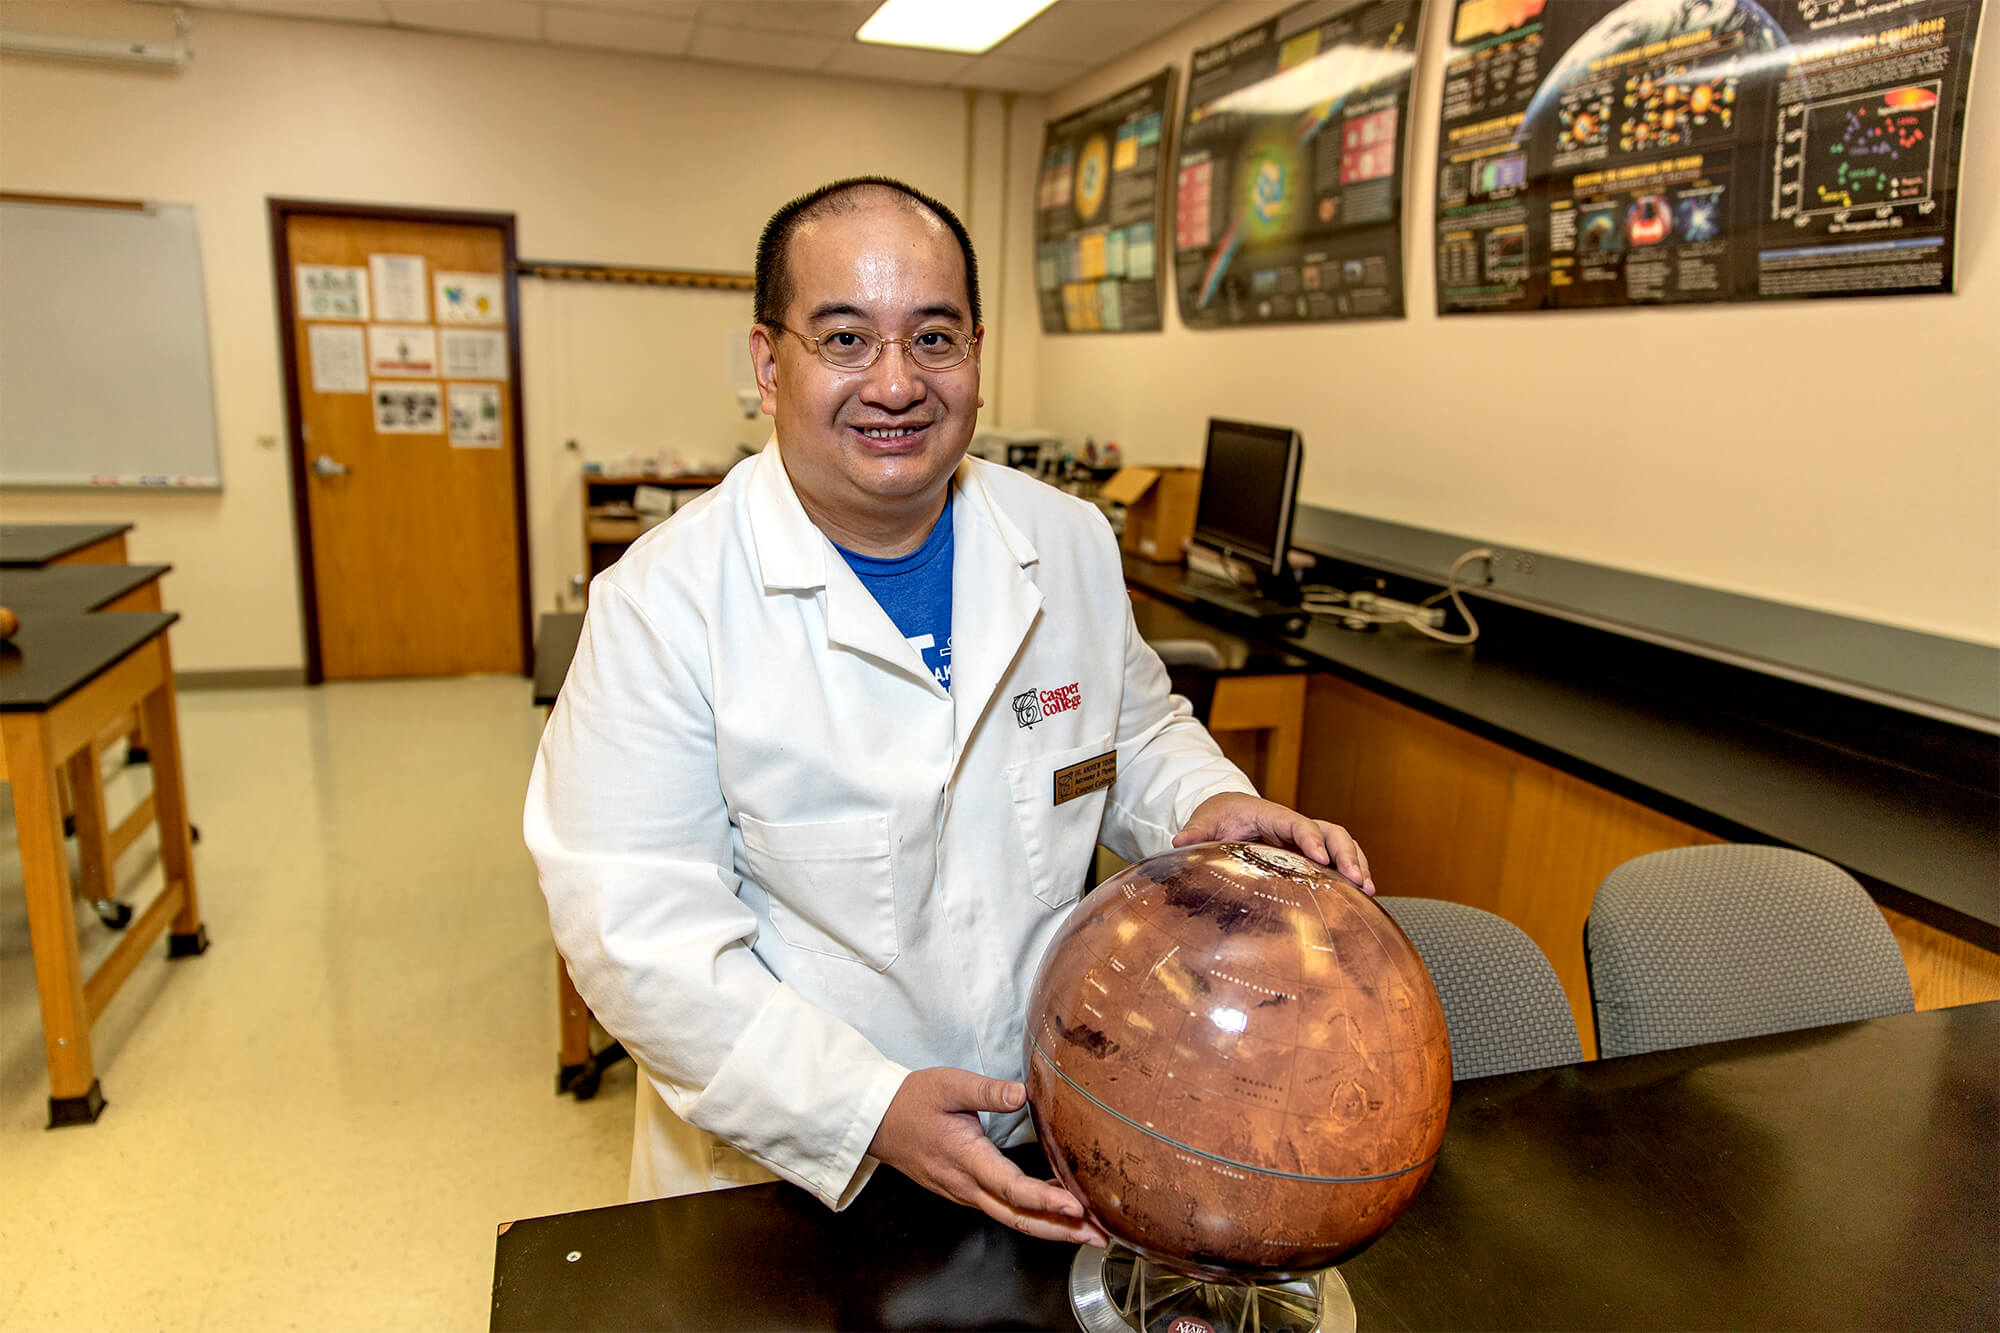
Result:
x=610 y=521
x=1443 y=813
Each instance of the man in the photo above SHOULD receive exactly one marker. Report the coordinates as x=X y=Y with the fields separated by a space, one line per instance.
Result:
x=795 y=811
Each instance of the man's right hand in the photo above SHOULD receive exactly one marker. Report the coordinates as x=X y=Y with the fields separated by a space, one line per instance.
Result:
x=931 y=1133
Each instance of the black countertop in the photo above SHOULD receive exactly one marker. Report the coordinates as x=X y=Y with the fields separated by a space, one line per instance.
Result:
x=61 y=588
x=31 y=545
x=1163 y=624
x=1910 y=805
x=1841 y=1177
x=53 y=655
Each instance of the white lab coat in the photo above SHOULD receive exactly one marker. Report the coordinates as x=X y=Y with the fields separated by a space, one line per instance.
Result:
x=786 y=867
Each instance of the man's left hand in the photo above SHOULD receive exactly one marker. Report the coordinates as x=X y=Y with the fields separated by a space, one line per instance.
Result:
x=1235 y=817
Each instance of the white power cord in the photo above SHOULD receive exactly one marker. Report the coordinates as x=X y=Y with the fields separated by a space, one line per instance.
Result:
x=1359 y=608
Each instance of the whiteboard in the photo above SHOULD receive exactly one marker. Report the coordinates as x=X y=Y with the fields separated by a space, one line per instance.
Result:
x=104 y=365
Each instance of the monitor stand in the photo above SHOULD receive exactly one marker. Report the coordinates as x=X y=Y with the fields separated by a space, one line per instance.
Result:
x=1274 y=600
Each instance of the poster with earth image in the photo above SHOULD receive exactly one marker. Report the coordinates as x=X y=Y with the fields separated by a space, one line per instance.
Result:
x=1599 y=153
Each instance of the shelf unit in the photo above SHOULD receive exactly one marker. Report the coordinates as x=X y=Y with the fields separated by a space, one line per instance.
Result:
x=609 y=522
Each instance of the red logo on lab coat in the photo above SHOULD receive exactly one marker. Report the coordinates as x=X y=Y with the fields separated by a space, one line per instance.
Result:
x=1032 y=706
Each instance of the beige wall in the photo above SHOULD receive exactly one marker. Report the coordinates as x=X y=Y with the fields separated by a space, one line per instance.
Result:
x=1842 y=455
x=601 y=157
x=1749 y=461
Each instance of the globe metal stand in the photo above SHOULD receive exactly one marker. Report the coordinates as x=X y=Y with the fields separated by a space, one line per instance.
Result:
x=1116 y=1291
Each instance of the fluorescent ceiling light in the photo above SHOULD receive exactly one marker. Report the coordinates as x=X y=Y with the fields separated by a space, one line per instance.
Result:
x=971 y=26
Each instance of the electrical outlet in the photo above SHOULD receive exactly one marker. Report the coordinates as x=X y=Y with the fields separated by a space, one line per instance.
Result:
x=1514 y=570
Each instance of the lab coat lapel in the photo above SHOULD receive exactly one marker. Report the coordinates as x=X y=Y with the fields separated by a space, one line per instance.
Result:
x=793 y=555
x=856 y=621
x=993 y=603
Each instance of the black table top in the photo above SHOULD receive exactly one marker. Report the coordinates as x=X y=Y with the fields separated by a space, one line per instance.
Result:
x=1841 y=1177
x=31 y=545
x=1162 y=623
x=556 y=636
x=53 y=655
x=72 y=588
x=1935 y=839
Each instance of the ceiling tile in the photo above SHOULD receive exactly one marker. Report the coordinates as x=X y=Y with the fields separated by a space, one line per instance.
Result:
x=1007 y=74
x=743 y=46
x=489 y=18
x=1105 y=29
x=570 y=26
x=804 y=18
x=340 y=11
x=895 y=63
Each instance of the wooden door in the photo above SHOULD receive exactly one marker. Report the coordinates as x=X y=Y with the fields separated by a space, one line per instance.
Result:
x=402 y=368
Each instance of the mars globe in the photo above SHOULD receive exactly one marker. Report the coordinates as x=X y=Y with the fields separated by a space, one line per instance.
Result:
x=1238 y=1062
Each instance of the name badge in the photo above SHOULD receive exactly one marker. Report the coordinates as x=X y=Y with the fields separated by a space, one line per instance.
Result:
x=1089 y=776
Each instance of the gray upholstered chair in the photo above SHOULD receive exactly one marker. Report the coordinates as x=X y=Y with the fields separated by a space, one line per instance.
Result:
x=1702 y=944
x=1502 y=1003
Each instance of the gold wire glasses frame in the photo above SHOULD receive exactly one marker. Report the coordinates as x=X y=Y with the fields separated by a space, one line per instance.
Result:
x=852 y=348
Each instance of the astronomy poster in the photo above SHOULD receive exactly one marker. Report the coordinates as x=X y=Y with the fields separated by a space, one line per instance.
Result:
x=1288 y=188
x=1596 y=153
x=1098 y=212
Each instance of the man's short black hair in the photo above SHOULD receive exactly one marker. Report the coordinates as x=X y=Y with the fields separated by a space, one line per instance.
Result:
x=774 y=275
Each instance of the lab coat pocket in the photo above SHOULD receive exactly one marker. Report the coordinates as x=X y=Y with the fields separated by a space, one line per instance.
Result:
x=831 y=885
x=1058 y=839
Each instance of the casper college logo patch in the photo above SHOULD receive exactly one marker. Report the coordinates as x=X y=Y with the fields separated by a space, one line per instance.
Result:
x=1032 y=706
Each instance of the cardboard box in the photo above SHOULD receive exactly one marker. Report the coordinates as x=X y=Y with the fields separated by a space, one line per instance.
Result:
x=1159 y=509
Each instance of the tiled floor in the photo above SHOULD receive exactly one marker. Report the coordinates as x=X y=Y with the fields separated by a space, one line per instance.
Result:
x=319 y=1123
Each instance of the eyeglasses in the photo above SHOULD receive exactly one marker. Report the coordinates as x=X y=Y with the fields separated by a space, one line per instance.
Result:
x=846 y=348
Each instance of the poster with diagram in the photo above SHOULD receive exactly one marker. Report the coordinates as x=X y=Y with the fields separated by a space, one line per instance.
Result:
x=1099 y=212
x=332 y=291
x=1288 y=188
x=470 y=298
x=395 y=349
x=475 y=416
x=1596 y=153
x=409 y=409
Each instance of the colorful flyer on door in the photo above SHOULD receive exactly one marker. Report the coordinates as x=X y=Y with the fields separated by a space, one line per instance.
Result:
x=1288 y=186
x=399 y=288
x=1602 y=153
x=474 y=354
x=1099 y=206
x=396 y=350
x=470 y=298
x=339 y=364
x=332 y=291
x=475 y=416
x=409 y=409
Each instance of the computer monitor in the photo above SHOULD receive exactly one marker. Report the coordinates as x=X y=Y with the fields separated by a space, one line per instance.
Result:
x=1249 y=485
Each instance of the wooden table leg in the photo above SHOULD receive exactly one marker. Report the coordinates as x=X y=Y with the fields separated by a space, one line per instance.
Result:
x=74 y=1095
x=170 y=815
x=145 y=597
x=93 y=826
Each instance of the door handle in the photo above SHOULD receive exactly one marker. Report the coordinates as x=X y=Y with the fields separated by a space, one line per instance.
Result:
x=326 y=467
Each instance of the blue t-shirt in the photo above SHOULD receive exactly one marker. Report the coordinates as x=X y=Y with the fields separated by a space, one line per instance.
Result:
x=915 y=590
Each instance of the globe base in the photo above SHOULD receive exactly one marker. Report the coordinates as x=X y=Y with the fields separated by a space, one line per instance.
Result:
x=1116 y=1291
